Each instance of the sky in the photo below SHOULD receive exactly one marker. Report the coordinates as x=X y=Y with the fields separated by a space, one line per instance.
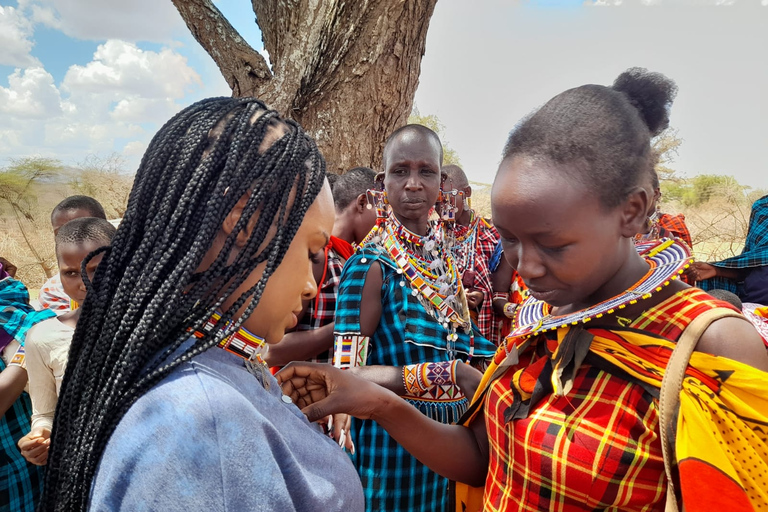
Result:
x=93 y=77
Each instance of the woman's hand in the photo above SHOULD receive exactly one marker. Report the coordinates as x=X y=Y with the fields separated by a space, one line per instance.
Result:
x=475 y=298
x=468 y=379
x=320 y=390
x=34 y=446
x=701 y=270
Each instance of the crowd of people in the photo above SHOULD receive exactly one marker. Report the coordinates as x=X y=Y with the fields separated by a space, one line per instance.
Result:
x=259 y=334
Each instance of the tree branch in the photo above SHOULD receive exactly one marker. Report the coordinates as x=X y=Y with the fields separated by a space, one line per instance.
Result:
x=244 y=69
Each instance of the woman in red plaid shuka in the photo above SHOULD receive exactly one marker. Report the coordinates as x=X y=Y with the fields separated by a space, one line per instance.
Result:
x=566 y=417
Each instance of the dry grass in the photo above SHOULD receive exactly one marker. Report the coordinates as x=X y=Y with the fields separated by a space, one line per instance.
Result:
x=718 y=227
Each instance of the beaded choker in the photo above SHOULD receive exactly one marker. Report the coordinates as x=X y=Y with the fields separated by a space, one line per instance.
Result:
x=667 y=259
x=242 y=343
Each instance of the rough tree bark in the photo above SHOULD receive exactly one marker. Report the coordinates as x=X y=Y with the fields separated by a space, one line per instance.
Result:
x=346 y=70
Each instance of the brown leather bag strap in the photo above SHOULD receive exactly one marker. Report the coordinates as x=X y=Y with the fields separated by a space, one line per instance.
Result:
x=672 y=384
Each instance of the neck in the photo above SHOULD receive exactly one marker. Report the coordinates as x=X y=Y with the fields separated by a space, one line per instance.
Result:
x=418 y=227
x=344 y=229
x=70 y=318
x=465 y=219
x=629 y=274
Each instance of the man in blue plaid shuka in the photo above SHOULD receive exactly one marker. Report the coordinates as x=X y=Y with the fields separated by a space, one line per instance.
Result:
x=751 y=266
x=392 y=479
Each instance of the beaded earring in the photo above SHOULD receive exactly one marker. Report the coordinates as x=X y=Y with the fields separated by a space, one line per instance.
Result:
x=378 y=198
x=447 y=202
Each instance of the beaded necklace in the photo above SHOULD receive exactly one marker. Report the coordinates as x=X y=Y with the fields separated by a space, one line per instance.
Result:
x=244 y=344
x=430 y=270
x=667 y=260
x=464 y=250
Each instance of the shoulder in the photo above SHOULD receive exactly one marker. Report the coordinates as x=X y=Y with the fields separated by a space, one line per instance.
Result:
x=736 y=339
x=46 y=332
x=172 y=442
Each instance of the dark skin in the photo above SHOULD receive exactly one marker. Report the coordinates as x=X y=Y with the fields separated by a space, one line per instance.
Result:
x=412 y=179
x=352 y=225
x=458 y=181
x=541 y=225
x=500 y=281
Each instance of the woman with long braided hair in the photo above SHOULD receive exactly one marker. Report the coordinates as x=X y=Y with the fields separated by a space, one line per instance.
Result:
x=228 y=209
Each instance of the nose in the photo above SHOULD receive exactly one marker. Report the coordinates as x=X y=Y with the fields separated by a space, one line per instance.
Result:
x=310 y=285
x=414 y=182
x=528 y=263
x=82 y=286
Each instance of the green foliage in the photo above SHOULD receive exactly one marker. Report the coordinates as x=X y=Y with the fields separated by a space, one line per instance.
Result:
x=450 y=157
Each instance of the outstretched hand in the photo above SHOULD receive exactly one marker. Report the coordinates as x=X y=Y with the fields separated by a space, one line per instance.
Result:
x=320 y=390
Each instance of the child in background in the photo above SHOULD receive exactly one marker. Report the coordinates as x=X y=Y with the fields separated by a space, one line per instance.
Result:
x=52 y=295
x=47 y=343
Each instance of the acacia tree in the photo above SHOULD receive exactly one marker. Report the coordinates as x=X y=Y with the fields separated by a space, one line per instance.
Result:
x=346 y=70
x=18 y=187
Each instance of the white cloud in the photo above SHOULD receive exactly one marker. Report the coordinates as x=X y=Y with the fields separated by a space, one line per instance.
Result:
x=121 y=66
x=16 y=39
x=31 y=95
x=133 y=20
x=98 y=108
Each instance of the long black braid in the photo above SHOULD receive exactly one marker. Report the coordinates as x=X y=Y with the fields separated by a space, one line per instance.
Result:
x=147 y=294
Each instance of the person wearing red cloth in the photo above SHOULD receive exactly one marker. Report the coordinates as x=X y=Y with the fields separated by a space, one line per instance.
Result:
x=312 y=338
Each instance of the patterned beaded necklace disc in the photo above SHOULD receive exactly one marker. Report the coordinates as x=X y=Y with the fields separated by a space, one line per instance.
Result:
x=667 y=258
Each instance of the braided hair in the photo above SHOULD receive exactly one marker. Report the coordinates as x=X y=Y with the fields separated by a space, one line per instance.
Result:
x=604 y=132
x=149 y=293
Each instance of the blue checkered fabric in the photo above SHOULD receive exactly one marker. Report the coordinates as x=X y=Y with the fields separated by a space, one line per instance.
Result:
x=755 y=253
x=20 y=482
x=392 y=479
x=17 y=316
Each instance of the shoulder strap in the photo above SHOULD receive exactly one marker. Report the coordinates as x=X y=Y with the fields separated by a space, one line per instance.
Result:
x=672 y=384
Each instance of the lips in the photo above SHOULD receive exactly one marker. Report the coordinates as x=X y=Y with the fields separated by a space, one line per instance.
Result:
x=542 y=294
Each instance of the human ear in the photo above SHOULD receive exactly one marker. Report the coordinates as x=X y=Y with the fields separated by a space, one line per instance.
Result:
x=635 y=212
x=361 y=203
x=468 y=191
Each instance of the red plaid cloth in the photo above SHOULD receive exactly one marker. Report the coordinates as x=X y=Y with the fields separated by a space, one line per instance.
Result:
x=484 y=317
x=595 y=448
x=487 y=238
x=322 y=309
x=675 y=224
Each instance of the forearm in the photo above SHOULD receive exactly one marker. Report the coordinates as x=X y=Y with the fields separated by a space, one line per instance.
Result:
x=736 y=274
x=41 y=421
x=300 y=346
x=12 y=382
x=452 y=451
x=389 y=377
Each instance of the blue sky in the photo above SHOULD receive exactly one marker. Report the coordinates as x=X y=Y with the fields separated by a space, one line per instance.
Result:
x=80 y=77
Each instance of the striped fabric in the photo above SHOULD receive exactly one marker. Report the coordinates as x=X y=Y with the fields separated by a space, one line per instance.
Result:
x=594 y=447
x=392 y=479
x=21 y=483
x=755 y=253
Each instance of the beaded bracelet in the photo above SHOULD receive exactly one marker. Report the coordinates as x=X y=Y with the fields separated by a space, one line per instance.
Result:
x=509 y=309
x=418 y=379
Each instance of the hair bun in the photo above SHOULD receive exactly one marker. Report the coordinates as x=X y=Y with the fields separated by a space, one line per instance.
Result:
x=650 y=93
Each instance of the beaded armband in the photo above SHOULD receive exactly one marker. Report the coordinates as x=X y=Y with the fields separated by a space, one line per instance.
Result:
x=438 y=380
x=19 y=358
x=501 y=296
x=350 y=351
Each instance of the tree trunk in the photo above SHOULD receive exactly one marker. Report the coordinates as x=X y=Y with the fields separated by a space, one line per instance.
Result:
x=345 y=70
